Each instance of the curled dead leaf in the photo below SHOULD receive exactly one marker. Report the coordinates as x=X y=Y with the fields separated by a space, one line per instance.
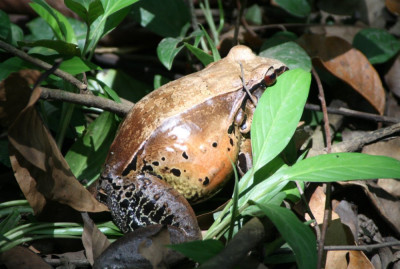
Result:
x=348 y=64
x=393 y=6
x=39 y=167
x=14 y=94
x=392 y=77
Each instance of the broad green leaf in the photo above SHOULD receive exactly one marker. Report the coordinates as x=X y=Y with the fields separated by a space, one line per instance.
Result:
x=167 y=49
x=203 y=57
x=277 y=39
x=13 y=64
x=377 y=44
x=277 y=115
x=290 y=54
x=199 y=251
x=16 y=34
x=39 y=29
x=88 y=10
x=89 y=152
x=343 y=166
x=77 y=65
x=62 y=47
x=114 y=13
x=299 y=236
x=58 y=22
x=5 y=26
x=156 y=17
x=254 y=14
x=298 y=8
x=124 y=85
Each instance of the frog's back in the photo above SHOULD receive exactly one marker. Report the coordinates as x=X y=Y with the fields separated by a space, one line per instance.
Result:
x=181 y=95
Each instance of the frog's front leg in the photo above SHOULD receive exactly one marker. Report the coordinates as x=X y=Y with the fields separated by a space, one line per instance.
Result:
x=245 y=159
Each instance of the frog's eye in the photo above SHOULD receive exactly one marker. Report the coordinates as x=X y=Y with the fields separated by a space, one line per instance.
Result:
x=281 y=69
x=270 y=77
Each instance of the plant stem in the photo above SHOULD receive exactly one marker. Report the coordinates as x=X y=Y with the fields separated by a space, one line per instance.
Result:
x=64 y=75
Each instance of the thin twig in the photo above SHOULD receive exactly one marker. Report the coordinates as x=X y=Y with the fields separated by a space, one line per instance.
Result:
x=120 y=109
x=240 y=8
x=23 y=55
x=354 y=113
x=245 y=87
x=327 y=211
x=367 y=248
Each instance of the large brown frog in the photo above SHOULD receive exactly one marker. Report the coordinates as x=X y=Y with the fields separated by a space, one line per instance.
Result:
x=178 y=143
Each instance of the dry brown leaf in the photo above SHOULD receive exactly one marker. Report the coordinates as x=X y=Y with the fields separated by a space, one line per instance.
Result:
x=317 y=205
x=392 y=77
x=156 y=252
x=20 y=257
x=348 y=64
x=390 y=148
x=14 y=94
x=347 y=260
x=39 y=167
x=94 y=241
x=393 y=6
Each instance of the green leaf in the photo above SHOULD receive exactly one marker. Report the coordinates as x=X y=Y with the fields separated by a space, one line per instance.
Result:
x=290 y=54
x=62 y=47
x=167 y=49
x=39 y=29
x=89 y=152
x=298 y=8
x=58 y=22
x=114 y=12
x=157 y=17
x=378 y=45
x=5 y=26
x=254 y=14
x=342 y=167
x=299 y=236
x=77 y=65
x=199 y=251
x=203 y=57
x=16 y=34
x=277 y=115
x=277 y=39
x=87 y=10
x=13 y=64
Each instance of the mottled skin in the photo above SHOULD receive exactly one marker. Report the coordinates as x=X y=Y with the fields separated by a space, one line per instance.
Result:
x=187 y=133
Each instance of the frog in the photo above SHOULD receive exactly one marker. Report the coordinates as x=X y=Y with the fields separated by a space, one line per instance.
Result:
x=177 y=145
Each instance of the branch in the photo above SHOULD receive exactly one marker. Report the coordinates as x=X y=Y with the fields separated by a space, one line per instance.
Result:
x=367 y=248
x=23 y=55
x=120 y=109
x=354 y=113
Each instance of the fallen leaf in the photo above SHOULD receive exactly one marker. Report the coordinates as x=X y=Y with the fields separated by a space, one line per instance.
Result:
x=156 y=252
x=393 y=6
x=20 y=257
x=392 y=77
x=14 y=94
x=94 y=241
x=39 y=167
x=390 y=148
x=348 y=64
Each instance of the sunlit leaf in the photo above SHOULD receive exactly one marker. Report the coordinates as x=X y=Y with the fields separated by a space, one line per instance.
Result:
x=299 y=236
x=343 y=166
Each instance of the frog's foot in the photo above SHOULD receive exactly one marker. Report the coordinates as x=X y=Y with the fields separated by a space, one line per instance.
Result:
x=147 y=200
